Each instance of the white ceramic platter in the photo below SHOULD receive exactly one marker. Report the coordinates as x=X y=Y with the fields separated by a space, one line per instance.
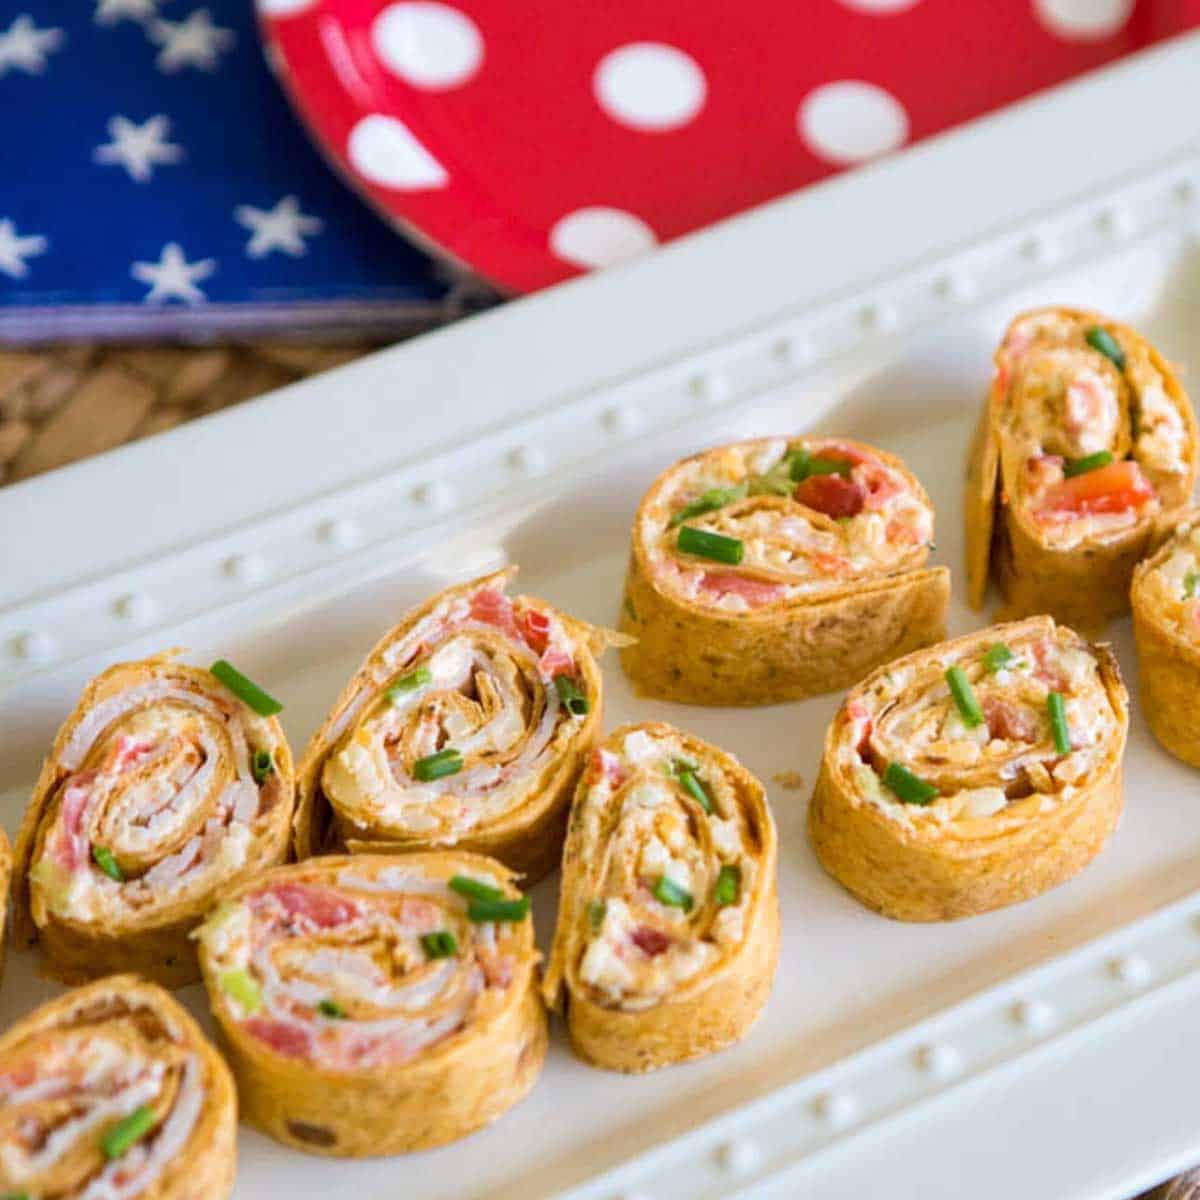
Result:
x=1044 y=1051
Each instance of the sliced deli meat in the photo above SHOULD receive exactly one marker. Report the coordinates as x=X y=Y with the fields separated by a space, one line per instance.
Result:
x=163 y=788
x=973 y=774
x=668 y=925
x=376 y=1004
x=1084 y=455
x=776 y=569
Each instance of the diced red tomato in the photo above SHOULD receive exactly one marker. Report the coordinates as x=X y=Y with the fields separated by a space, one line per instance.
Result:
x=321 y=906
x=1008 y=722
x=754 y=591
x=537 y=630
x=832 y=495
x=1113 y=489
x=841 y=451
x=650 y=941
x=606 y=764
x=555 y=662
x=281 y=1036
x=493 y=607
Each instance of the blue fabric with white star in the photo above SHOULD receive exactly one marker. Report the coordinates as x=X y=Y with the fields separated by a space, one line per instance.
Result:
x=153 y=181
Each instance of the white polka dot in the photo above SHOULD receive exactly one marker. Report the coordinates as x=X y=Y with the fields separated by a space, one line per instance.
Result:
x=428 y=45
x=283 y=8
x=851 y=121
x=879 y=6
x=600 y=237
x=1083 y=20
x=651 y=86
x=383 y=150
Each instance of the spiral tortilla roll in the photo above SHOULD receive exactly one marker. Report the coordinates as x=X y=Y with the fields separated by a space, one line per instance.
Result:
x=777 y=569
x=162 y=790
x=933 y=804
x=495 y=701
x=111 y=1092
x=668 y=922
x=1084 y=454
x=1166 y=625
x=377 y=1004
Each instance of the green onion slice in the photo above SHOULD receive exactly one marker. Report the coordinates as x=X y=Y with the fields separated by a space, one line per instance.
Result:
x=261 y=765
x=1100 y=339
x=574 y=701
x=705 y=544
x=331 y=1009
x=439 y=944
x=964 y=697
x=1189 y=584
x=710 y=501
x=246 y=690
x=671 y=894
x=474 y=889
x=409 y=683
x=595 y=913
x=1057 y=711
x=438 y=766
x=694 y=788
x=998 y=657
x=128 y=1131
x=1089 y=462
x=102 y=856
x=908 y=787
x=241 y=985
x=729 y=886
x=498 y=910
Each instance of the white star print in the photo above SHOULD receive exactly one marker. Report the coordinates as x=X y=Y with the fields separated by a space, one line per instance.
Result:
x=193 y=42
x=24 y=47
x=109 y=12
x=138 y=148
x=173 y=277
x=280 y=228
x=15 y=249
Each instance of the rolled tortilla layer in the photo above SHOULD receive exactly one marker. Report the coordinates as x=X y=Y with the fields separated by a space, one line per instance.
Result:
x=926 y=810
x=1084 y=454
x=777 y=569
x=668 y=923
x=376 y=1004
x=111 y=1092
x=467 y=725
x=162 y=790
x=1166 y=624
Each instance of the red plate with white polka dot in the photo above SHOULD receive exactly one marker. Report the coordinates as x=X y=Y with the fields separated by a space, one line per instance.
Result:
x=535 y=139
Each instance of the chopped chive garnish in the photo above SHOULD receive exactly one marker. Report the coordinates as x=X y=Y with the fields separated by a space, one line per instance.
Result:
x=716 y=546
x=998 y=657
x=498 y=910
x=474 y=889
x=828 y=466
x=695 y=789
x=247 y=691
x=240 y=984
x=410 y=682
x=1057 y=711
x=906 y=786
x=1089 y=462
x=1100 y=339
x=668 y=892
x=128 y=1131
x=798 y=465
x=439 y=944
x=710 y=501
x=438 y=766
x=331 y=1009
x=574 y=701
x=1189 y=584
x=729 y=885
x=103 y=858
x=964 y=697
x=595 y=913
x=261 y=765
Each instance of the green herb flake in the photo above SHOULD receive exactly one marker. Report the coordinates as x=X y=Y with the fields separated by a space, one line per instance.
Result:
x=668 y=892
x=103 y=857
x=127 y=1132
x=728 y=887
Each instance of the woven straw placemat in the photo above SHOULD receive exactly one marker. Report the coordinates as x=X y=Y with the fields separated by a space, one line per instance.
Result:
x=64 y=403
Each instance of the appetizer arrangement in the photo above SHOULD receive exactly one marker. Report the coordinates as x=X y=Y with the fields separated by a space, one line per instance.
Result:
x=1085 y=452
x=778 y=569
x=382 y=993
